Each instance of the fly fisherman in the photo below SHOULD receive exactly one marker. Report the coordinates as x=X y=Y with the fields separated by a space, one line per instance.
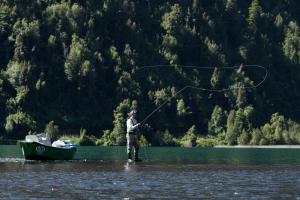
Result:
x=132 y=136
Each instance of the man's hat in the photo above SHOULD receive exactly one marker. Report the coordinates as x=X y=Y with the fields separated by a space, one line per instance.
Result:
x=131 y=113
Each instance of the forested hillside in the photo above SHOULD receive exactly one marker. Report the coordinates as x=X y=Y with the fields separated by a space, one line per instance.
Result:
x=77 y=66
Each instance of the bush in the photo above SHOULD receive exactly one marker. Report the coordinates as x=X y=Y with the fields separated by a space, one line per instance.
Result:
x=52 y=131
x=217 y=122
x=189 y=139
x=208 y=141
x=268 y=136
x=278 y=125
x=117 y=135
x=256 y=136
x=244 y=138
x=231 y=133
x=143 y=142
x=273 y=131
x=166 y=138
x=286 y=136
x=292 y=134
x=105 y=140
x=263 y=141
x=85 y=140
x=19 y=119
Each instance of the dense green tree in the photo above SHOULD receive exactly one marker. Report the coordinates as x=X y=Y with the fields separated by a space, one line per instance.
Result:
x=166 y=138
x=244 y=138
x=78 y=66
x=256 y=136
x=273 y=131
x=21 y=122
x=241 y=99
x=217 y=123
x=26 y=36
x=4 y=18
x=52 y=131
x=292 y=43
x=172 y=23
x=189 y=139
x=117 y=135
x=255 y=10
x=181 y=108
x=215 y=79
x=231 y=133
x=19 y=73
x=5 y=28
x=81 y=64
x=231 y=6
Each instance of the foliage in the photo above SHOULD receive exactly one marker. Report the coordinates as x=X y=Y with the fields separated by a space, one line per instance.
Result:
x=189 y=139
x=106 y=139
x=117 y=135
x=85 y=140
x=257 y=136
x=19 y=120
x=143 y=142
x=217 y=125
x=181 y=108
x=166 y=138
x=244 y=138
x=52 y=130
x=292 y=42
x=80 y=64
x=255 y=10
x=231 y=133
x=208 y=141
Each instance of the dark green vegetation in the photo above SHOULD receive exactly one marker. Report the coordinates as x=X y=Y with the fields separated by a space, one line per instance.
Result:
x=70 y=67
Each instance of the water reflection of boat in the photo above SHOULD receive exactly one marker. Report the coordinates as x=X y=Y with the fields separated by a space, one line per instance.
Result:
x=39 y=147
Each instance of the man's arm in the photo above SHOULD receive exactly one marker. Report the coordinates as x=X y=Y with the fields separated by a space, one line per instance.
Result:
x=130 y=126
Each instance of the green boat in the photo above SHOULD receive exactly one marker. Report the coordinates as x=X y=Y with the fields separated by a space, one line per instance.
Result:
x=38 y=147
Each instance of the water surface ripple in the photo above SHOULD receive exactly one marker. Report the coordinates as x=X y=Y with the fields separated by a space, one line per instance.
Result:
x=148 y=180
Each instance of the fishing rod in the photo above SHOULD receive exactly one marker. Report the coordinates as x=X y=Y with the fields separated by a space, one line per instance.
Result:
x=200 y=88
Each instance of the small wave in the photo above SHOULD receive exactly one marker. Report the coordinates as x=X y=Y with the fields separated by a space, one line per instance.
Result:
x=11 y=160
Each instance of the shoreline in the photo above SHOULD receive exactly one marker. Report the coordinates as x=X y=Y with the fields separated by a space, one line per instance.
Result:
x=259 y=146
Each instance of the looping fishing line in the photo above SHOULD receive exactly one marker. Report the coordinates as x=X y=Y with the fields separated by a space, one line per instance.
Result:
x=200 y=88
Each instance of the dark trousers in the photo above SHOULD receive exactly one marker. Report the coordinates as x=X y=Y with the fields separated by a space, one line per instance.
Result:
x=132 y=140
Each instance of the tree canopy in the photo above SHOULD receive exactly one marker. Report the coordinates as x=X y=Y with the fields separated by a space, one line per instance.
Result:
x=77 y=66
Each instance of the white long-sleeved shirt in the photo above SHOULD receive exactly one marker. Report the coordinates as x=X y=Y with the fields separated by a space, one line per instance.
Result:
x=132 y=124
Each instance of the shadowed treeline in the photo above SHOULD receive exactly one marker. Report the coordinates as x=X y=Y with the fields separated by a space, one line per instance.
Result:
x=72 y=69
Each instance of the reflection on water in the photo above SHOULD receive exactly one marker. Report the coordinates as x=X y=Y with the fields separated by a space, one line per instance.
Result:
x=178 y=154
x=102 y=180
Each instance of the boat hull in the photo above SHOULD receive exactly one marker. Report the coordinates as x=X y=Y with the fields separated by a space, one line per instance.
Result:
x=38 y=151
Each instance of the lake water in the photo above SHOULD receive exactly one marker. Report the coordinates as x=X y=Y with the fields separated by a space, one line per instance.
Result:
x=118 y=180
x=180 y=178
x=178 y=154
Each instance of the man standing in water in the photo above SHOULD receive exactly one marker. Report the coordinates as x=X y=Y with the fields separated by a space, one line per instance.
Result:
x=132 y=136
